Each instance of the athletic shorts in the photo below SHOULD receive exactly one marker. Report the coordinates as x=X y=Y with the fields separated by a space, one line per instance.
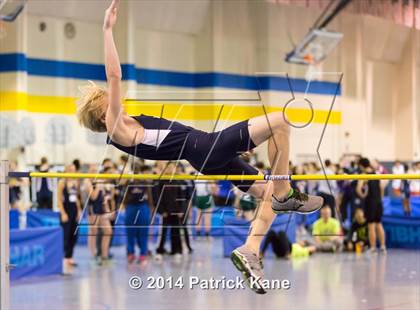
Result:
x=374 y=211
x=218 y=152
x=203 y=202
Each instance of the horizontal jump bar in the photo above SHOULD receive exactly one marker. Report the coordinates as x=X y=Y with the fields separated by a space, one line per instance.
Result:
x=261 y=177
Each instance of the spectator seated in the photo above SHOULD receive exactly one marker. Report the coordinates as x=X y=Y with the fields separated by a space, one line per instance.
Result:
x=327 y=232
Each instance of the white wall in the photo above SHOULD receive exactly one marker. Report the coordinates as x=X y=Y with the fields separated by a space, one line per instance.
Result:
x=239 y=37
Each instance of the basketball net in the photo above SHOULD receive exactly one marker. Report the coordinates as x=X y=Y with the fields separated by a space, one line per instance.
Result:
x=314 y=71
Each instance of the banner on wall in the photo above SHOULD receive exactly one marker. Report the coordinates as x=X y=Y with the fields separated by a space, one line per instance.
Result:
x=402 y=232
x=36 y=252
x=42 y=218
x=14 y=219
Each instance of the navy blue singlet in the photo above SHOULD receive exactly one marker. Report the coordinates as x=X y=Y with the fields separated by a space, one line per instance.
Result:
x=169 y=149
x=98 y=204
x=209 y=153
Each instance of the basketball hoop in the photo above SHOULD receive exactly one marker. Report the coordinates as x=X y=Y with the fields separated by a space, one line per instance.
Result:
x=314 y=47
x=313 y=50
x=308 y=58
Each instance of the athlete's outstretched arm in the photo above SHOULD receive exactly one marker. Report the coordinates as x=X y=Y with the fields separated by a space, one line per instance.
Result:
x=112 y=67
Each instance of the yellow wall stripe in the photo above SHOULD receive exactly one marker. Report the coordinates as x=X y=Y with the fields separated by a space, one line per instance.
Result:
x=18 y=101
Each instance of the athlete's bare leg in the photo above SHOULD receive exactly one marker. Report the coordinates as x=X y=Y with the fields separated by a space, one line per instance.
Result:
x=272 y=127
x=275 y=196
x=246 y=258
x=264 y=217
x=276 y=130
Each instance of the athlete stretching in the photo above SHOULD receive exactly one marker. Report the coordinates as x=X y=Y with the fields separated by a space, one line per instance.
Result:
x=210 y=153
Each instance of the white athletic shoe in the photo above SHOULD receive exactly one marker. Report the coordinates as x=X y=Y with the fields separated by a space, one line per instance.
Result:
x=251 y=267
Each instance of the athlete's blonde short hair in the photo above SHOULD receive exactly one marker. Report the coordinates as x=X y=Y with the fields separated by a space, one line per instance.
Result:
x=90 y=107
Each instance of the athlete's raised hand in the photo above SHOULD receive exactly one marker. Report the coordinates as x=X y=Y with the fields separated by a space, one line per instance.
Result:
x=111 y=15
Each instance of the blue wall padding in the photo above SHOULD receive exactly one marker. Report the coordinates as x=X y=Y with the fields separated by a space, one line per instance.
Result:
x=236 y=231
x=36 y=252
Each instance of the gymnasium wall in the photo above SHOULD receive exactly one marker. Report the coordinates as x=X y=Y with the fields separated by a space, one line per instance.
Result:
x=212 y=50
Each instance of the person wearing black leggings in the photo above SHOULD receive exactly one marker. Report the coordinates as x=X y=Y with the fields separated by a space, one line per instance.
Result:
x=170 y=208
x=185 y=192
x=283 y=248
x=70 y=210
x=279 y=242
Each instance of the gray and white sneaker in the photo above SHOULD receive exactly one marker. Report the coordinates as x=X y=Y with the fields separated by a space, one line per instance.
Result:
x=251 y=267
x=298 y=202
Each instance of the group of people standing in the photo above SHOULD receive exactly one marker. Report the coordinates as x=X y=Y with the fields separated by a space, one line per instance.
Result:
x=359 y=201
x=356 y=202
x=141 y=199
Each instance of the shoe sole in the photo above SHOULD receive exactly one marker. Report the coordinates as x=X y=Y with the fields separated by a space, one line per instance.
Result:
x=293 y=211
x=237 y=262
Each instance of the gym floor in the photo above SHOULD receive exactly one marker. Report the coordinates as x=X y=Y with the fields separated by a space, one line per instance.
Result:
x=323 y=281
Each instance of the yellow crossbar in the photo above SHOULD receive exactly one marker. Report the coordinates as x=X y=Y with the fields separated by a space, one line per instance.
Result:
x=260 y=177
